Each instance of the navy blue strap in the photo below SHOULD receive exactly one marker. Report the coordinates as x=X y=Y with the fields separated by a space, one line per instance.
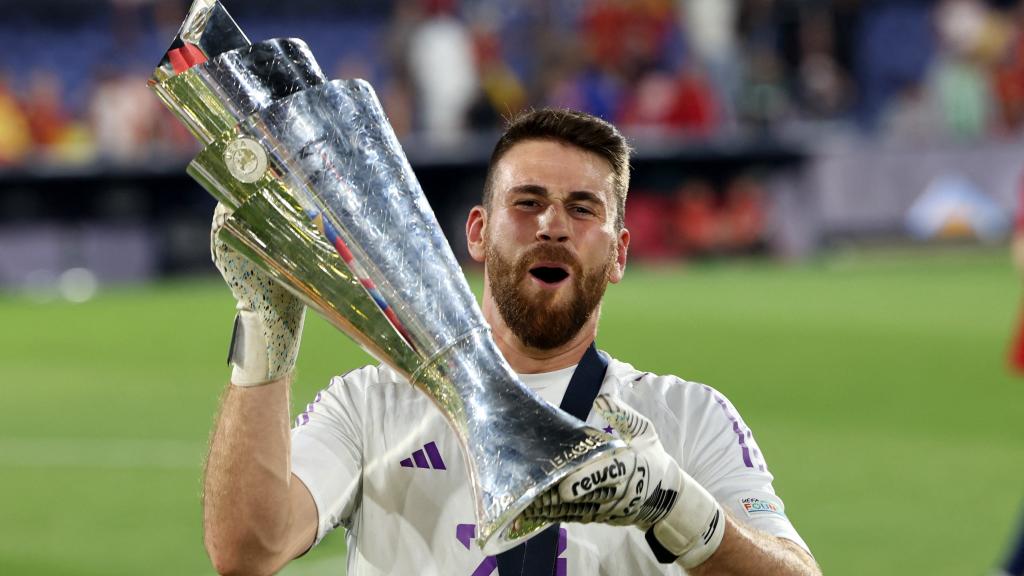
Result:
x=536 y=556
x=585 y=384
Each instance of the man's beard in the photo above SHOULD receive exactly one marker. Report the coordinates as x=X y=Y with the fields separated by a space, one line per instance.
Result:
x=536 y=320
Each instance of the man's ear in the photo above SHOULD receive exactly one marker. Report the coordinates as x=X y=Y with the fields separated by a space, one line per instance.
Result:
x=476 y=229
x=622 y=250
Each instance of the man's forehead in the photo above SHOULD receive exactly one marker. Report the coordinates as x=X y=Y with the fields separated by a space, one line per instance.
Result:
x=555 y=166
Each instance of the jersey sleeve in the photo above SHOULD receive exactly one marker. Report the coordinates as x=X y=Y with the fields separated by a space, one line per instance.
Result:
x=721 y=454
x=327 y=449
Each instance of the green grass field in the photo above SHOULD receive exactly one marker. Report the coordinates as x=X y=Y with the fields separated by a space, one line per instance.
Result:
x=875 y=383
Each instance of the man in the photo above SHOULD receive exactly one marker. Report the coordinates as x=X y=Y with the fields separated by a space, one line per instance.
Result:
x=372 y=454
x=1013 y=564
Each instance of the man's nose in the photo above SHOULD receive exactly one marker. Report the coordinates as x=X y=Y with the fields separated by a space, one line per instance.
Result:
x=553 y=225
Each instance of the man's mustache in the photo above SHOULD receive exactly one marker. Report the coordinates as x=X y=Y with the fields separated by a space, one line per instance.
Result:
x=548 y=253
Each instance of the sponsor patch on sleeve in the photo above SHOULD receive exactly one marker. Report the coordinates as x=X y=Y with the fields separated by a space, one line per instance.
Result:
x=756 y=507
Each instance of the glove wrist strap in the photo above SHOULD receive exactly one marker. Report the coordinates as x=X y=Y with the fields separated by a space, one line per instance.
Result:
x=692 y=531
x=248 y=354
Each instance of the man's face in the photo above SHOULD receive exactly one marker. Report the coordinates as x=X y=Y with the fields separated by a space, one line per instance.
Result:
x=548 y=240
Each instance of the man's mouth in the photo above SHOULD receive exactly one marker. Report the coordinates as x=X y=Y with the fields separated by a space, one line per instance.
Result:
x=550 y=274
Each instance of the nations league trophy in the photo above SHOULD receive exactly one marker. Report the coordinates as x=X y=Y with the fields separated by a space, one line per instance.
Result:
x=323 y=199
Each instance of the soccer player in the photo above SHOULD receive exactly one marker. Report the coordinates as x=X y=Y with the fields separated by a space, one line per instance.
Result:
x=1013 y=565
x=691 y=494
x=1016 y=356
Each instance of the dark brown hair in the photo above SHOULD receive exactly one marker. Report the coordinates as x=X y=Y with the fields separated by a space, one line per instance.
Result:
x=578 y=129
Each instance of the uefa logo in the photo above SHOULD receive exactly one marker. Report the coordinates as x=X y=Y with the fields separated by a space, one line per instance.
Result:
x=246 y=160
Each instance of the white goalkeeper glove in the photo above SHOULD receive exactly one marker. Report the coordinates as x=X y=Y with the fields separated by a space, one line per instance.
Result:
x=268 y=326
x=642 y=486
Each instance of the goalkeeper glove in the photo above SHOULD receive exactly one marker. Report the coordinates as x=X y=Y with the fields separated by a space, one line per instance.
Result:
x=268 y=325
x=642 y=486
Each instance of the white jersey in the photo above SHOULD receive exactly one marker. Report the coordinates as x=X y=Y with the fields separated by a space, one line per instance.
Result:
x=380 y=460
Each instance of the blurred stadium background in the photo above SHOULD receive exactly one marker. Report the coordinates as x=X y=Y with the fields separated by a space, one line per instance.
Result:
x=824 y=194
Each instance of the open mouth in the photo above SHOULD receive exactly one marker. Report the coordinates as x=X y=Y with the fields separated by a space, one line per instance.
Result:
x=549 y=274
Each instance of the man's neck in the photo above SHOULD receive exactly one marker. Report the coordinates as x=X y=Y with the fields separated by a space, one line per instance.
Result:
x=527 y=360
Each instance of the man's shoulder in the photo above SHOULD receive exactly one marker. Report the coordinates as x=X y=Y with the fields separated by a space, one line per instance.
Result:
x=374 y=380
x=627 y=375
x=369 y=375
x=673 y=392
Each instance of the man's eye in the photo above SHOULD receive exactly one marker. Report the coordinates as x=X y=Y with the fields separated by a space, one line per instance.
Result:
x=583 y=210
x=527 y=203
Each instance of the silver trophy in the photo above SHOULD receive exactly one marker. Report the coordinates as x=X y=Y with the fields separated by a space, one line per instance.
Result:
x=324 y=200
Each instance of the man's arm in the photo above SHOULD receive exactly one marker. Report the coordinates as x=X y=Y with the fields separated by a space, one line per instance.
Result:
x=682 y=521
x=256 y=515
x=745 y=550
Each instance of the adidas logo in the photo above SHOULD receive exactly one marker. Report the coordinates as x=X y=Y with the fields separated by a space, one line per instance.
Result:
x=427 y=458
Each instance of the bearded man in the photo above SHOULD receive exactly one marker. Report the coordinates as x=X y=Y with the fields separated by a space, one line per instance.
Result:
x=691 y=493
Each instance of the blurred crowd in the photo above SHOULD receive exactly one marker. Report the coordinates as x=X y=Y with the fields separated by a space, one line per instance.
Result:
x=448 y=68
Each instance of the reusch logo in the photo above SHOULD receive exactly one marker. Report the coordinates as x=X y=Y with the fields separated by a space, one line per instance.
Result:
x=420 y=458
x=613 y=471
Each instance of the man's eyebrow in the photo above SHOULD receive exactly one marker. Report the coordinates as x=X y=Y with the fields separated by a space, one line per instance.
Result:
x=586 y=196
x=538 y=190
x=535 y=189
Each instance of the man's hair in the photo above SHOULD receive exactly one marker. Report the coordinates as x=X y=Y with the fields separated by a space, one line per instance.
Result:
x=578 y=129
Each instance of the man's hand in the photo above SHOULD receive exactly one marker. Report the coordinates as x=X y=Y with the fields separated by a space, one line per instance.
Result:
x=641 y=486
x=268 y=326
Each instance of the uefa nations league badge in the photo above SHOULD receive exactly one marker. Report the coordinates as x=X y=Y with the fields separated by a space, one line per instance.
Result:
x=761 y=507
x=246 y=159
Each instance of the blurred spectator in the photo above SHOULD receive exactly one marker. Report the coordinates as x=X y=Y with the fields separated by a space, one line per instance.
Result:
x=501 y=92
x=710 y=28
x=895 y=49
x=664 y=104
x=963 y=95
x=398 y=102
x=698 y=68
x=443 y=73
x=823 y=88
x=572 y=84
x=650 y=232
x=763 y=100
x=707 y=221
x=609 y=33
x=15 y=132
x=959 y=80
x=696 y=222
x=47 y=118
x=1008 y=76
x=397 y=94
x=624 y=44
x=744 y=214
x=123 y=115
x=57 y=136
